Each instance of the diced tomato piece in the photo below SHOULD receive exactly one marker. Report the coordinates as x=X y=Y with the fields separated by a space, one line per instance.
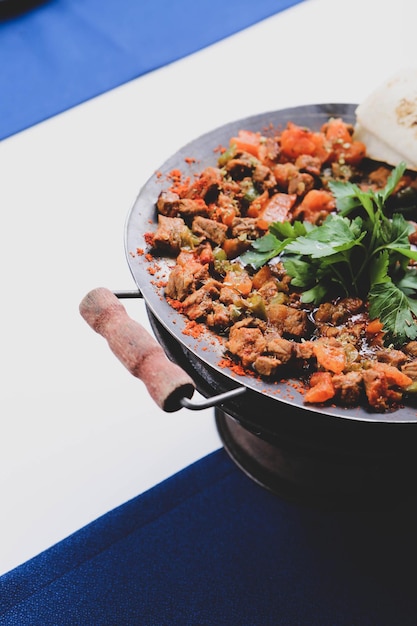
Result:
x=331 y=356
x=277 y=209
x=261 y=276
x=297 y=140
x=234 y=247
x=355 y=153
x=226 y=215
x=247 y=141
x=258 y=204
x=321 y=389
x=239 y=280
x=374 y=327
x=337 y=131
x=315 y=202
x=342 y=144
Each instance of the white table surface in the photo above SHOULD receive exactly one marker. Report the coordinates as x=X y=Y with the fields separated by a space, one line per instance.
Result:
x=79 y=435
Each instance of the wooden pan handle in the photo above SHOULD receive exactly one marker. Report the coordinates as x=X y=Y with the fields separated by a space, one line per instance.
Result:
x=139 y=352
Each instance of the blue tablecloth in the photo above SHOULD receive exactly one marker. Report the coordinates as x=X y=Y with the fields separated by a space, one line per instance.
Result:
x=209 y=547
x=65 y=52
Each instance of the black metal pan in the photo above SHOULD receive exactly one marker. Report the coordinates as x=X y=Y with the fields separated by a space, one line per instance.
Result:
x=143 y=219
x=265 y=426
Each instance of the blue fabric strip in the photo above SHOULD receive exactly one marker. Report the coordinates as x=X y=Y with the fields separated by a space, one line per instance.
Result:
x=211 y=547
x=65 y=52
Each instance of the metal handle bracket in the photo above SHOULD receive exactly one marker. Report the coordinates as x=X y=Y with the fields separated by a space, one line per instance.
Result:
x=213 y=401
x=133 y=293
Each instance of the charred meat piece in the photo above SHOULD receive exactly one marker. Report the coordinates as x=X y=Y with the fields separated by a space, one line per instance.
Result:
x=287 y=320
x=171 y=205
x=263 y=176
x=309 y=164
x=381 y=396
x=242 y=165
x=327 y=330
x=207 y=185
x=200 y=303
x=227 y=202
x=329 y=313
x=167 y=203
x=245 y=226
x=282 y=349
x=181 y=283
x=384 y=385
x=170 y=233
x=300 y=184
x=228 y=295
x=391 y=356
x=411 y=348
x=221 y=316
x=376 y=389
x=270 y=290
x=348 y=387
x=184 y=279
x=246 y=343
x=210 y=229
x=304 y=350
x=410 y=369
x=266 y=365
x=188 y=207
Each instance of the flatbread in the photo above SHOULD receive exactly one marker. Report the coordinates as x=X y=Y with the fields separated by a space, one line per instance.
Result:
x=387 y=120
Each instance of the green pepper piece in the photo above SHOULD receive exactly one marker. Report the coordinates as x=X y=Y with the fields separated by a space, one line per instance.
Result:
x=412 y=388
x=256 y=305
x=227 y=155
x=189 y=239
x=219 y=254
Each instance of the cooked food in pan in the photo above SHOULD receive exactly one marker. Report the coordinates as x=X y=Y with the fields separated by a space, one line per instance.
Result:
x=300 y=250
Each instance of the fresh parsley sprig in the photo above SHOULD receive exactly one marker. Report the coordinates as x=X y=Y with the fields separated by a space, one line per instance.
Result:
x=358 y=251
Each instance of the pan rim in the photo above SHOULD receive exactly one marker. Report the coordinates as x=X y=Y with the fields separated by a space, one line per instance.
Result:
x=142 y=213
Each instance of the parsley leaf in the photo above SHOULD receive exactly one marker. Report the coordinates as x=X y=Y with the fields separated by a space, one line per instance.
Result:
x=273 y=243
x=263 y=250
x=336 y=234
x=357 y=252
x=408 y=284
x=395 y=310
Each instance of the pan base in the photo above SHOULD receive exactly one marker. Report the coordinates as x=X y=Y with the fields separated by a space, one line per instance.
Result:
x=327 y=481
